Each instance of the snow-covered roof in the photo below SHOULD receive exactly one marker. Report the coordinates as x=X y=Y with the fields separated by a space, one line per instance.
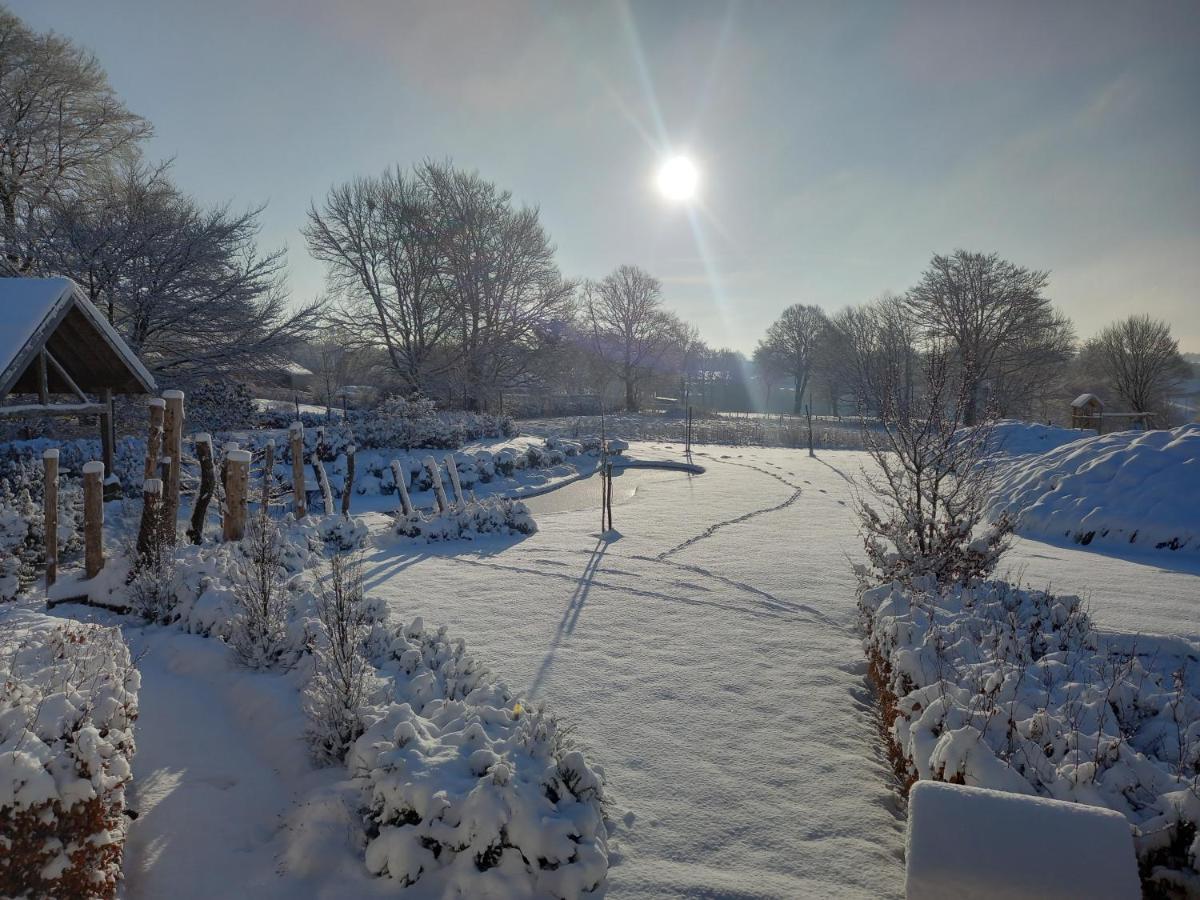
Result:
x=294 y=368
x=34 y=314
x=1083 y=400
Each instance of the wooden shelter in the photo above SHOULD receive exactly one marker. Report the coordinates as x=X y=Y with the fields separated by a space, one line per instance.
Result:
x=53 y=341
x=1087 y=411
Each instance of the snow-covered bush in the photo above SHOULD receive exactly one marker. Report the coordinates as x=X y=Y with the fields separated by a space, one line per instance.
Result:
x=494 y=515
x=68 y=700
x=999 y=687
x=1130 y=489
x=342 y=675
x=468 y=793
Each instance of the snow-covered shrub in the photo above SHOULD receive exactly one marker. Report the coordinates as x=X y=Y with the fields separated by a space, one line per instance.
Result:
x=21 y=463
x=68 y=699
x=221 y=405
x=493 y=515
x=342 y=674
x=468 y=793
x=153 y=587
x=259 y=632
x=999 y=687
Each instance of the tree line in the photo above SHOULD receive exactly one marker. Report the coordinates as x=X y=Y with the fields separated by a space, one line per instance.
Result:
x=439 y=283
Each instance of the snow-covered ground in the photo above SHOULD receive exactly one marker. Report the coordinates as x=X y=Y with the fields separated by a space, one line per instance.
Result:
x=706 y=657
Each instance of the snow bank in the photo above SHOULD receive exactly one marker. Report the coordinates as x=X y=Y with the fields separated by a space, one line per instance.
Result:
x=469 y=793
x=68 y=699
x=1139 y=488
x=997 y=687
x=988 y=845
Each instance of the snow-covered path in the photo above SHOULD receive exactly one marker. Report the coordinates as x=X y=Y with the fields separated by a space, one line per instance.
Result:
x=707 y=657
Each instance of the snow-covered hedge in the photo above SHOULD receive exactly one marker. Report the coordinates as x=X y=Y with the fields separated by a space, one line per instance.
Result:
x=494 y=515
x=999 y=687
x=468 y=793
x=68 y=700
x=393 y=427
x=1129 y=488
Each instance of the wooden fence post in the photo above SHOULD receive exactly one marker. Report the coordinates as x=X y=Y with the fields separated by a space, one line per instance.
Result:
x=50 y=513
x=172 y=447
x=452 y=469
x=439 y=492
x=208 y=483
x=401 y=479
x=237 y=475
x=268 y=471
x=93 y=517
x=149 y=533
x=299 y=497
x=348 y=486
x=154 y=438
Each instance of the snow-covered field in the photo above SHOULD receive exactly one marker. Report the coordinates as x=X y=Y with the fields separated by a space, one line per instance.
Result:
x=707 y=658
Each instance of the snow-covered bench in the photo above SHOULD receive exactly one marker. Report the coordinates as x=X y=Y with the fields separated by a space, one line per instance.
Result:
x=988 y=845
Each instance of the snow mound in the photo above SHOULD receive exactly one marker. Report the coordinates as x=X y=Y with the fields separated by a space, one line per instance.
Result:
x=68 y=699
x=1010 y=437
x=970 y=842
x=1140 y=488
x=469 y=793
x=997 y=687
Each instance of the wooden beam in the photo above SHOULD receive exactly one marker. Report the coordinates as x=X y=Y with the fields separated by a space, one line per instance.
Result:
x=43 y=380
x=52 y=409
x=62 y=373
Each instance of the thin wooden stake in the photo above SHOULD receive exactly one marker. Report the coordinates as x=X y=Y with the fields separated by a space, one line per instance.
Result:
x=237 y=475
x=401 y=479
x=50 y=513
x=439 y=492
x=299 y=497
x=93 y=517
x=208 y=483
x=348 y=486
x=268 y=475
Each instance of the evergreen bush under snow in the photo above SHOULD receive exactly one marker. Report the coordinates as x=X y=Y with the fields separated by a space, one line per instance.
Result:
x=997 y=687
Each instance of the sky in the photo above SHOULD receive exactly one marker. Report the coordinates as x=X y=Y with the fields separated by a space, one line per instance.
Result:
x=840 y=144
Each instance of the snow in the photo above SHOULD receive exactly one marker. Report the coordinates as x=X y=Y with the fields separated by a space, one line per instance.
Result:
x=1131 y=490
x=988 y=845
x=24 y=304
x=1011 y=437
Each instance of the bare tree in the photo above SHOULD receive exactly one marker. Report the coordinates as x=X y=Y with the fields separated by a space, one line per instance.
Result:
x=792 y=340
x=1140 y=361
x=505 y=293
x=381 y=240
x=928 y=478
x=60 y=123
x=988 y=309
x=877 y=358
x=631 y=332
x=184 y=285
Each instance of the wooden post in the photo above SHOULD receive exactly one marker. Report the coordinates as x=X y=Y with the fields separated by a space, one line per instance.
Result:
x=50 y=513
x=93 y=517
x=608 y=498
x=106 y=431
x=208 y=482
x=268 y=475
x=439 y=492
x=348 y=486
x=452 y=469
x=148 y=542
x=43 y=383
x=237 y=475
x=299 y=498
x=172 y=447
x=319 y=471
x=154 y=438
x=808 y=415
x=401 y=479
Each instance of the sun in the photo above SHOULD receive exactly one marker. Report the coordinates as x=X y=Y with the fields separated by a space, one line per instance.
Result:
x=678 y=179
